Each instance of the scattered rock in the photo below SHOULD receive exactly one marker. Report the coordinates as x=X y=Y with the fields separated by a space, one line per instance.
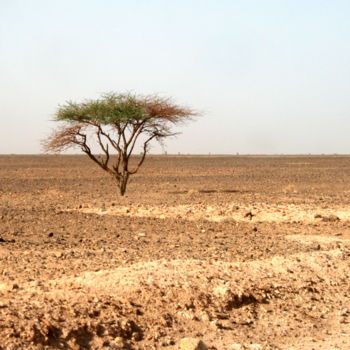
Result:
x=73 y=345
x=57 y=254
x=131 y=330
x=344 y=311
x=221 y=290
x=249 y=215
x=2 y=240
x=225 y=324
x=192 y=344
x=330 y=218
x=237 y=347
x=327 y=218
x=168 y=341
x=118 y=343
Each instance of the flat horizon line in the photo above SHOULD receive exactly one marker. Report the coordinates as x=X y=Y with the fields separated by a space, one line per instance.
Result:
x=196 y=154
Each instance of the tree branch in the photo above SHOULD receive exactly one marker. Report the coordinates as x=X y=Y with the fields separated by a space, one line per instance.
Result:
x=145 y=149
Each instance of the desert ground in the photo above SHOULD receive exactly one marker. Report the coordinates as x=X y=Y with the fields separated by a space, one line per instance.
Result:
x=203 y=252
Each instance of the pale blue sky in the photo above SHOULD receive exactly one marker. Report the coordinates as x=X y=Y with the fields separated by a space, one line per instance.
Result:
x=271 y=76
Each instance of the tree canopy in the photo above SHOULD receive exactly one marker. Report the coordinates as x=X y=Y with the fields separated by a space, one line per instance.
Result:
x=115 y=123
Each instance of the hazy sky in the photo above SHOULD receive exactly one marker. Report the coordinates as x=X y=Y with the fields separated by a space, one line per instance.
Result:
x=271 y=76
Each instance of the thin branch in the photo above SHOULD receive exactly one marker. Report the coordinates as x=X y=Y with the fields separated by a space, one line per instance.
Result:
x=145 y=149
x=135 y=135
x=103 y=147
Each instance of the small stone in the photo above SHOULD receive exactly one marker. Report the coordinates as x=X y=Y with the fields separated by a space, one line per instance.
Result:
x=236 y=347
x=225 y=324
x=220 y=290
x=249 y=215
x=50 y=234
x=330 y=218
x=73 y=345
x=204 y=316
x=254 y=347
x=192 y=344
x=168 y=341
x=58 y=254
x=2 y=240
x=118 y=343
x=344 y=311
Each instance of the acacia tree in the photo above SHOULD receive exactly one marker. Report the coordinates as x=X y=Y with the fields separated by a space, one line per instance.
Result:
x=117 y=124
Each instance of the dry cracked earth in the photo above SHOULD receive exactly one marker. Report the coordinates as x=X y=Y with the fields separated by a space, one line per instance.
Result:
x=231 y=252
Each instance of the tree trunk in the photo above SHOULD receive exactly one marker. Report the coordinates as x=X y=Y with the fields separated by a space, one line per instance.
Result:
x=122 y=185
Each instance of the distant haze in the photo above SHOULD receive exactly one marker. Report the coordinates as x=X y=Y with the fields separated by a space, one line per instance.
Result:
x=269 y=76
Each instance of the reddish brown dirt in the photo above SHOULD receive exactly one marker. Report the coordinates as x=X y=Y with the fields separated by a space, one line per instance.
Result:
x=240 y=252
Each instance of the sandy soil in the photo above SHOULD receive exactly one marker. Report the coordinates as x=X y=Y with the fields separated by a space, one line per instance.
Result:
x=238 y=252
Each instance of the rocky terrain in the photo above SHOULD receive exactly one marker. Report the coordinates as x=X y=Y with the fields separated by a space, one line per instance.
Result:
x=205 y=252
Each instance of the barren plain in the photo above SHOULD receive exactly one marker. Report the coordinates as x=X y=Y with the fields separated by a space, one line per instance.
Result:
x=233 y=252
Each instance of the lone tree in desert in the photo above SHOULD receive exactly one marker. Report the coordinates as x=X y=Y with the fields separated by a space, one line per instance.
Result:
x=116 y=124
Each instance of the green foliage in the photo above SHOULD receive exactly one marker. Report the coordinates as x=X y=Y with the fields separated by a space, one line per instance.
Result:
x=110 y=109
